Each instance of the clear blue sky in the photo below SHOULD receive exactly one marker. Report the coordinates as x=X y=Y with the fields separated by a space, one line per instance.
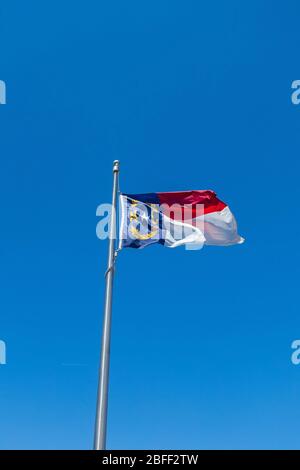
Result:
x=188 y=95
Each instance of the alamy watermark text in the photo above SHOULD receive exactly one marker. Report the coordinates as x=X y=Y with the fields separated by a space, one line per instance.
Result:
x=2 y=353
x=2 y=92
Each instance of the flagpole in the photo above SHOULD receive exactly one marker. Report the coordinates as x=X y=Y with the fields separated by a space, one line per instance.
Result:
x=102 y=399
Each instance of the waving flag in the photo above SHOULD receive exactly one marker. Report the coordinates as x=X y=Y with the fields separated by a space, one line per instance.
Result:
x=191 y=218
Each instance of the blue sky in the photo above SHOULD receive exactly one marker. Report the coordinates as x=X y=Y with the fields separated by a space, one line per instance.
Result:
x=188 y=95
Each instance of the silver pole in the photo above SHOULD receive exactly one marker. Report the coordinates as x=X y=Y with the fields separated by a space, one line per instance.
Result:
x=102 y=401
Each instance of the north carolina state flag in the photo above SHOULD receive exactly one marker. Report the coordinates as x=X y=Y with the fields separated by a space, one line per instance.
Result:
x=191 y=218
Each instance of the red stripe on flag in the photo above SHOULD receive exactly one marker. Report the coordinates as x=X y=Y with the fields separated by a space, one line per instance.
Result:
x=187 y=201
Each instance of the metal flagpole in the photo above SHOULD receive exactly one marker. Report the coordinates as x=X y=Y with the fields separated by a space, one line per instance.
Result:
x=102 y=400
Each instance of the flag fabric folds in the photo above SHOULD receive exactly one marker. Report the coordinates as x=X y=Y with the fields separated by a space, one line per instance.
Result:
x=190 y=218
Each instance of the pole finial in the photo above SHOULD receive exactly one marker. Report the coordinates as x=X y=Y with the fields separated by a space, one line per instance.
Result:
x=116 y=165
